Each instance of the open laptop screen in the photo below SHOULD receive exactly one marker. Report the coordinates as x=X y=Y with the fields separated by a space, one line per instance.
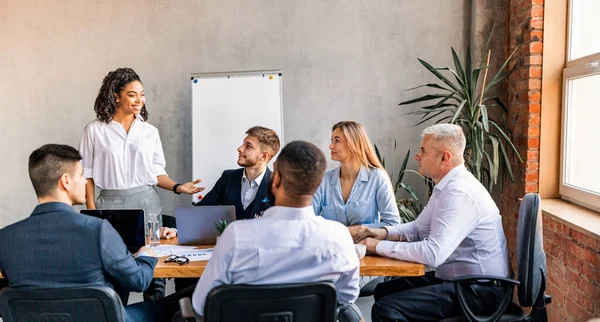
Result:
x=129 y=223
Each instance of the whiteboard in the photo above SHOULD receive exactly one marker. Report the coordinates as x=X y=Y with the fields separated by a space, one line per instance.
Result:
x=224 y=107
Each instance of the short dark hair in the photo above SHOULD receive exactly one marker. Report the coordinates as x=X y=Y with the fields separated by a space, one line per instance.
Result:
x=106 y=103
x=266 y=137
x=48 y=163
x=301 y=166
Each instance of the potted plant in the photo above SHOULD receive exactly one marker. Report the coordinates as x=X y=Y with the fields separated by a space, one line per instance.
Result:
x=409 y=207
x=220 y=227
x=464 y=99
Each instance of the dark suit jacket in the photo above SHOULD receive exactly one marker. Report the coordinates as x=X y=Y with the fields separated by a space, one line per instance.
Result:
x=228 y=191
x=56 y=247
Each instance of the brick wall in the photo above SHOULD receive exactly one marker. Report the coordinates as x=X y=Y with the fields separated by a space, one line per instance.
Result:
x=573 y=279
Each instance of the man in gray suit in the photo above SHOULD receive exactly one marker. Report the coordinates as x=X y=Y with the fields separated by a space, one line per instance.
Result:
x=56 y=247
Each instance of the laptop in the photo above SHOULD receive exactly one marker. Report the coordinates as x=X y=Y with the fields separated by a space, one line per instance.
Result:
x=129 y=223
x=196 y=224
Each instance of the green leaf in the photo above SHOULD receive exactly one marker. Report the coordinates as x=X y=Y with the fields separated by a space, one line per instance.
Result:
x=432 y=85
x=438 y=75
x=427 y=97
x=484 y=117
x=507 y=164
x=458 y=111
x=468 y=69
x=402 y=169
x=507 y=139
x=486 y=48
x=457 y=65
x=409 y=189
x=429 y=118
x=490 y=166
x=430 y=111
x=498 y=102
x=500 y=75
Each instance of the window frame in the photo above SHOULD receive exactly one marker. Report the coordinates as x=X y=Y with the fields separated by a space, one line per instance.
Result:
x=574 y=69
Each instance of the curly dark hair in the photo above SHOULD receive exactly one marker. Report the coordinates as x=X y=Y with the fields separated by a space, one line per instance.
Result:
x=106 y=104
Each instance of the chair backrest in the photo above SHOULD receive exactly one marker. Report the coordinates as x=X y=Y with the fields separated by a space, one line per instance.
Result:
x=531 y=258
x=89 y=304
x=271 y=303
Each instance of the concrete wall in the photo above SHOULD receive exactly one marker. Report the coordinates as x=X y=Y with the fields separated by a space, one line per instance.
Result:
x=340 y=59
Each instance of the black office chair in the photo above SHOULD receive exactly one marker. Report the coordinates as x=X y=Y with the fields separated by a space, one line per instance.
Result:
x=89 y=304
x=267 y=303
x=531 y=262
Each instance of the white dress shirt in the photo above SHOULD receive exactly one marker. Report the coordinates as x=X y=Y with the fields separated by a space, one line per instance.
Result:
x=285 y=245
x=459 y=231
x=250 y=188
x=119 y=160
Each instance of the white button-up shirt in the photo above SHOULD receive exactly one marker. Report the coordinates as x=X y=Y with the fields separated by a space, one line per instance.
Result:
x=286 y=245
x=459 y=231
x=116 y=159
x=250 y=188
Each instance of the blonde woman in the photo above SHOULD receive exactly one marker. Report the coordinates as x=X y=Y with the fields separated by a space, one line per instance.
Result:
x=358 y=192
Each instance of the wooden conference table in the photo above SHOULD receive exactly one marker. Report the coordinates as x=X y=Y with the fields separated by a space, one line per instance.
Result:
x=371 y=265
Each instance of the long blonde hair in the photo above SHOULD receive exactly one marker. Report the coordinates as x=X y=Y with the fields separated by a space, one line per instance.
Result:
x=359 y=145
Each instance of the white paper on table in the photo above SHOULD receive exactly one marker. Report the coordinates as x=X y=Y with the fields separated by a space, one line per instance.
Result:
x=166 y=250
x=198 y=254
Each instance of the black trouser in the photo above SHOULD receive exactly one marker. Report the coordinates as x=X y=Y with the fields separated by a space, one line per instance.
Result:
x=427 y=298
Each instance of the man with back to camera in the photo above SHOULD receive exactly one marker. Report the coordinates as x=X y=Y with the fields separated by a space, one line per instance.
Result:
x=459 y=232
x=56 y=247
x=290 y=227
x=246 y=188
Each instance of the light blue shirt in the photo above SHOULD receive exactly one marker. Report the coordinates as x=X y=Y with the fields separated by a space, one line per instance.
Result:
x=371 y=203
x=286 y=245
x=459 y=231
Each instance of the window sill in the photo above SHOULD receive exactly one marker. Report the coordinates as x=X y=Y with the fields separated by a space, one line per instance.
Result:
x=576 y=217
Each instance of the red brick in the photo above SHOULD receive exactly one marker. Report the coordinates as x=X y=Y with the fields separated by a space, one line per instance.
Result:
x=534 y=119
x=533 y=155
x=534 y=95
x=536 y=47
x=533 y=143
x=534 y=83
x=537 y=11
x=534 y=60
x=531 y=177
x=533 y=131
x=536 y=23
x=531 y=187
x=587 y=271
x=535 y=72
x=532 y=166
x=535 y=35
x=534 y=2
x=573 y=309
x=535 y=108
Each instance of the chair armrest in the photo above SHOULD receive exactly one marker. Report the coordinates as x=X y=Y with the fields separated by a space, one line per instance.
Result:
x=476 y=278
x=187 y=312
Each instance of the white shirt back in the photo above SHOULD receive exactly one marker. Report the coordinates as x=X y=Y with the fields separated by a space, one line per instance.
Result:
x=116 y=159
x=285 y=245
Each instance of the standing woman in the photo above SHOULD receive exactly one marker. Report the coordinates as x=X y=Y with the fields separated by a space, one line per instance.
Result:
x=122 y=153
x=359 y=191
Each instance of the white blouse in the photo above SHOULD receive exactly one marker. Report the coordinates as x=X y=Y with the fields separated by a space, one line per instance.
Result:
x=116 y=159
